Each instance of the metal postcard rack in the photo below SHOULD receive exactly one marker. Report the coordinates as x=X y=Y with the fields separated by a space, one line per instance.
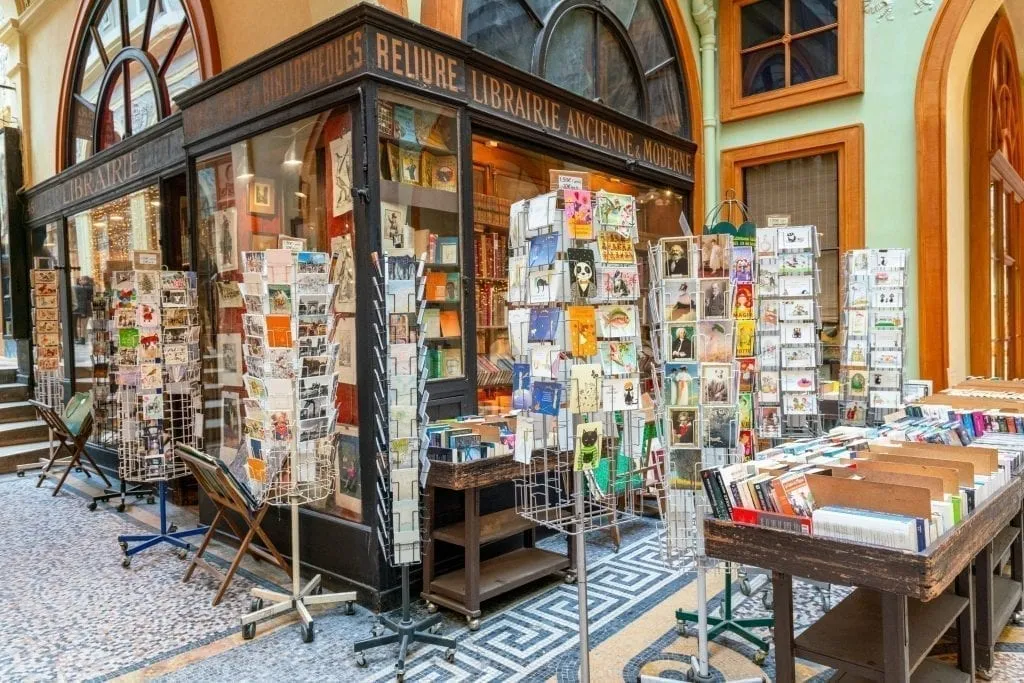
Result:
x=400 y=416
x=580 y=437
x=874 y=339
x=159 y=402
x=291 y=381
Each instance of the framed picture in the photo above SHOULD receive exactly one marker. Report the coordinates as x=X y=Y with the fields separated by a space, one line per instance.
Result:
x=262 y=196
x=263 y=241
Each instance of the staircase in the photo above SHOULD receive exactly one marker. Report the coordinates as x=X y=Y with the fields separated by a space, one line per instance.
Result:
x=23 y=437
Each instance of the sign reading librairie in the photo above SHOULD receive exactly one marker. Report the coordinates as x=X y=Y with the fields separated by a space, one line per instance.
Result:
x=428 y=68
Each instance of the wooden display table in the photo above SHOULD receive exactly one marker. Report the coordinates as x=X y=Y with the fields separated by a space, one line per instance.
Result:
x=901 y=606
x=464 y=589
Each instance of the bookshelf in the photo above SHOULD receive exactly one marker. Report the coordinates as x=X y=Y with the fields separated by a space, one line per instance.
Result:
x=490 y=290
x=420 y=216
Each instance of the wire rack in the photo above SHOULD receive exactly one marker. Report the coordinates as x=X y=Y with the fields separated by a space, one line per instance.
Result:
x=104 y=390
x=871 y=371
x=157 y=372
x=788 y=340
x=49 y=360
x=290 y=377
x=599 y=432
x=400 y=400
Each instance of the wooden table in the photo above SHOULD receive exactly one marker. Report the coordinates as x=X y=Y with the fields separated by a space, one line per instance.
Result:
x=901 y=606
x=998 y=598
x=464 y=589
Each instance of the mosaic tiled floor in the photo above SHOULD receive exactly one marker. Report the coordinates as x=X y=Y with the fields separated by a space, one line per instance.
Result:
x=71 y=612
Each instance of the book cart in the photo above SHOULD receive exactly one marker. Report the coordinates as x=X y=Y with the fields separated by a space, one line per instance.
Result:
x=400 y=403
x=290 y=382
x=575 y=337
x=156 y=322
x=696 y=391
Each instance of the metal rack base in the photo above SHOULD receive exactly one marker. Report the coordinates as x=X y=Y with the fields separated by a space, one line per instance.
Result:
x=169 y=534
x=726 y=623
x=123 y=492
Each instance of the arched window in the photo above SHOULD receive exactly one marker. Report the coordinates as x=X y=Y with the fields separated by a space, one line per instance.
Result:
x=129 y=60
x=617 y=52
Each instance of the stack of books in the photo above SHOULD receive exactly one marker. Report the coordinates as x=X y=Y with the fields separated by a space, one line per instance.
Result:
x=469 y=439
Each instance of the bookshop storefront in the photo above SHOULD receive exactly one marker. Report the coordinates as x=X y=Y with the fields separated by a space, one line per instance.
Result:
x=364 y=129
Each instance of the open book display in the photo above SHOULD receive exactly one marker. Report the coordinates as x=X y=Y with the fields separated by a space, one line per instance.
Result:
x=788 y=323
x=400 y=400
x=290 y=377
x=154 y=328
x=574 y=331
x=873 y=334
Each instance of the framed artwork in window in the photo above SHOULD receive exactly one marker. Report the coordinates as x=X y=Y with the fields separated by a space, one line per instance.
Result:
x=262 y=196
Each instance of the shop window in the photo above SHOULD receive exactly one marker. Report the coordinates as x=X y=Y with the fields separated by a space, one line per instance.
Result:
x=293 y=182
x=620 y=53
x=778 y=54
x=504 y=173
x=100 y=242
x=134 y=57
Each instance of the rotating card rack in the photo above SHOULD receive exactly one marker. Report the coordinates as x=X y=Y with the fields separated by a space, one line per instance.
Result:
x=693 y=305
x=577 y=332
x=156 y=323
x=290 y=382
x=49 y=357
x=400 y=416
x=874 y=335
x=788 y=340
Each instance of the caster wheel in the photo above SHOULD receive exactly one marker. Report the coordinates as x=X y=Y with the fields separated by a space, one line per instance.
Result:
x=126 y=562
x=121 y=507
x=449 y=655
x=172 y=528
x=360 y=660
x=92 y=506
x=436 y=628
x=151 y=500
x=139 y=496
x=249 y=631
x=255 y=605
x=569 y=578
x=431 y=608
x=983 y=674
x=399 y=676
x=759 y=657
x=182 y=553
x=349 y=609
x=745 y=588
x=377 y=631
x=124 y=546
x=1018 y=619
x=615 y=548
x=307 y=632
x=474 y=624
x=682 y=630
x=21 y=474
x=768 y=601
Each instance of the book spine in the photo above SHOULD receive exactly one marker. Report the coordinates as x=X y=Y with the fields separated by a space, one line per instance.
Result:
x=734 y=492
x=922 y=535
x=781 y=499
x=979 y=423
x=724 y=493
x=717 y=509
x=762 y=503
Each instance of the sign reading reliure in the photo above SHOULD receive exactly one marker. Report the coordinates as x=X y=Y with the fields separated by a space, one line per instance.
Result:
x=425 y=67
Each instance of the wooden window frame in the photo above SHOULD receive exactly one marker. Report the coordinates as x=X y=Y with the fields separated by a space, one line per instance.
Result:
x=848 y=144
x=848 y=81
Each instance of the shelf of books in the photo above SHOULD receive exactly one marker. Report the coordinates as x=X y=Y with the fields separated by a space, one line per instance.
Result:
x=490 y=249
x=420 y=217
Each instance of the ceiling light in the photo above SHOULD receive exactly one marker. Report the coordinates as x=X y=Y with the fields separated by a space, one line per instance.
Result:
x=300 y=195
x=291 y=157
x=492 y=143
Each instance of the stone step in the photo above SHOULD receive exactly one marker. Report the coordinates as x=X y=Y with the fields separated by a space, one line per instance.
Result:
x=14 y=392
x=17 y=411
x=22 y=454
x=23 y=431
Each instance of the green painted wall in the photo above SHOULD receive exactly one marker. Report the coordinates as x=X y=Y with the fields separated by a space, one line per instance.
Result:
x=892 y=52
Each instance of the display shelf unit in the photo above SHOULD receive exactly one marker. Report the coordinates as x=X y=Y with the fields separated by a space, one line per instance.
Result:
x=998 y=596
x=463 y=590
x=866 y=635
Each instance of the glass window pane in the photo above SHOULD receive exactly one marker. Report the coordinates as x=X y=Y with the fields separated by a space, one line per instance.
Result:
x=764 y=70
x=541 y=7
x=92 y=72
x=805 y=15
x=502 y=29
x=109 y=27
x=112 y=124
x=648 y=36
x=167 y=20
x=183 y=72
x=294 y=181
x=136 y=21
x=666 y=109
x=144 y=110
x=569 y=62
x=761 y=22
x=814 y=57
x=623 y=9
x=619 y=87
x=81 y=131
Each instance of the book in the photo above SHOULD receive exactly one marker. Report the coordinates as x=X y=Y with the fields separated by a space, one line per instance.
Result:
x=449 y=324
x=436 y=285
x=431 y=324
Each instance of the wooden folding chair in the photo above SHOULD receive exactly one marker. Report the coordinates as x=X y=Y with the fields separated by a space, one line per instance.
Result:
x=229 y=495
x=73 y=443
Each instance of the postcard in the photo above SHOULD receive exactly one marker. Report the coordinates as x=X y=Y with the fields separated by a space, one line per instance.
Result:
x=887 y=339
x=616 y=210
x=615 y=247
x=745 y=335
x=856 y=383
x=683 y=427
x=797 y=333
x=716 y=383
x=800 y=404
x=545 y=286
x=856 y=352
x=768 y=320
x=795 y=310
x=857 y=262
x=676 y=254
x=769 y=424
x=748 y=374
x=521 y=393
x=620 y=393
x=799 y=357
x=884 y=399
x=887 y=319
x=856 y=322
x=543 y=360
x=618 y=282
x=856 y=294
x=680 y=300
x=888 y=259
x=799 y=238
x=743 y=264
x=524 y=439
x=578 y=214
x=798 y=380
x=618 y=357
x=715 y=298
x=152 y=406
x=585 y=388
x=544 y=324
x=582 y=273
x=547 y=398
x=884 y=379
x=682 y=382
x=617 y=321
x=716 y=256
x=150 y=376
x=589 y=446
x=681 y=341
x=886 y=359
x=768 y=354
x=887 y=298
x=743 y=301
x=716 y=341
x=582 y=331
x=796 y=285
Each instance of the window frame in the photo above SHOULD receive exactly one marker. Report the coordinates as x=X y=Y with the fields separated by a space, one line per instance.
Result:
x=849 y=79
